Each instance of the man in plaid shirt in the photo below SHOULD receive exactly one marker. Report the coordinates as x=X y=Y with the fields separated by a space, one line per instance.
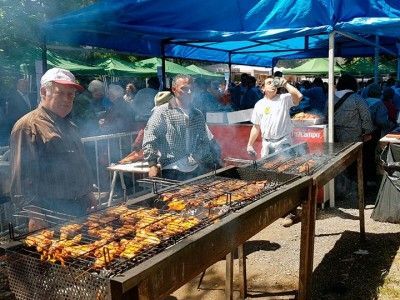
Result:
x=176 y=137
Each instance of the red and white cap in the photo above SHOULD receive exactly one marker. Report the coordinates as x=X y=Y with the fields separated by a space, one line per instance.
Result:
x=60 y=76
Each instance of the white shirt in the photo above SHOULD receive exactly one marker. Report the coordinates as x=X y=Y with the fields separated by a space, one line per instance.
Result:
x=272 y=115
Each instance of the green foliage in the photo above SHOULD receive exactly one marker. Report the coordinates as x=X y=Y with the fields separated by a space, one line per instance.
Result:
x=20 y=36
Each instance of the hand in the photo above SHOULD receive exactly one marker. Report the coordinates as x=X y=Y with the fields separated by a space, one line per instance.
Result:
x=251 y=151
x=282 y=82
x=366 y=137
x=93 y=202
x=153 y=171
x=36 y=224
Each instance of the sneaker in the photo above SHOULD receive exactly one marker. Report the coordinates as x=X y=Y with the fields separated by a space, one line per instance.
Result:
x=291 y=219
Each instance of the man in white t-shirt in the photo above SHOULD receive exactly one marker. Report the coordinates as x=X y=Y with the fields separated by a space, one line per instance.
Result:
x=271 y=117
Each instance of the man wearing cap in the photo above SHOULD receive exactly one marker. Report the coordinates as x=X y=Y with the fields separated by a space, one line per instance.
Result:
x=48 y=165
x=176 y=136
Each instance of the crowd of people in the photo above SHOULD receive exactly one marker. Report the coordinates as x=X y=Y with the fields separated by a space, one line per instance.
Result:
x=176 y=141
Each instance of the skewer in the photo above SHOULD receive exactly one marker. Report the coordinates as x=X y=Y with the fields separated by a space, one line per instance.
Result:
x=83 y=272
x=106 y=253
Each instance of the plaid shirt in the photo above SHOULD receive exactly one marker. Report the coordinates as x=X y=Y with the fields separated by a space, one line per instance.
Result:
x=173 y=135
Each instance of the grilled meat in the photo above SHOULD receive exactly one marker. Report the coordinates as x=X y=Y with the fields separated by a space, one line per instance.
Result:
x=132 y=157
x=68 y=230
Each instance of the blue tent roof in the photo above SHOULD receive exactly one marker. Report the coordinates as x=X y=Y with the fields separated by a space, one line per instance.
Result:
x=249 y=32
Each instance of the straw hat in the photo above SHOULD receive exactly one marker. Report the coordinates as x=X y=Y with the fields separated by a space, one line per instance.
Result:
x=162 y=97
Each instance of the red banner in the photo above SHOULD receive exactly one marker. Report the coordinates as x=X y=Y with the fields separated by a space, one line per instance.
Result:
x=314 y=136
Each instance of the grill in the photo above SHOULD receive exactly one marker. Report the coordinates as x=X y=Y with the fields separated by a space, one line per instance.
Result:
x=299 y=160
x=228 y=190
x=91 y=251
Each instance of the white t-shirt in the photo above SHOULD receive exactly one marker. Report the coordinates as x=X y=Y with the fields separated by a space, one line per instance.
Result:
x=272 y=115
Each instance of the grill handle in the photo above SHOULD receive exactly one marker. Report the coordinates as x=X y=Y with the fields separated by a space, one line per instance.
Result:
x=158 y=181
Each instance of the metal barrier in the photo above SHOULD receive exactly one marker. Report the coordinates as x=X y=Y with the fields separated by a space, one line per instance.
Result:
x=114 y=146
x=4 y=149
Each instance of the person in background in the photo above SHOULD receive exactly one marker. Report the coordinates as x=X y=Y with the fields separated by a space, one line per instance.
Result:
x=49 y=168
x=175 y=138
x=17 y=105
x=251 y=95
x=120 y=117
x=130 y=92
x=238 y=91
x=395 y=85
x=352 y=123
x=137 y=153
x=143 y=101
x=203 y=99
x=304 y=105
x=378 y=110
x=219 y=92
x=317 y=96
x=380 y=120
x=89 y=108
x=271 y=119
x=99 y=102
x=352 y=118
x=387 y=99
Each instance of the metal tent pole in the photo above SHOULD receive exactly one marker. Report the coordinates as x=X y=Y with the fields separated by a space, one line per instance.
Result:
x=398 y=61
x=331 y=82
x=376 y=59
x=230 y=68
x=44 y=55
x=163 y=77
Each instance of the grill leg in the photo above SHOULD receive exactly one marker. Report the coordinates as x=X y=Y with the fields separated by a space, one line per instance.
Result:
x=121 y=177
x=242 y=272
x=361 y=204
x=308 y=213
x=114 y=178
x=229 y=276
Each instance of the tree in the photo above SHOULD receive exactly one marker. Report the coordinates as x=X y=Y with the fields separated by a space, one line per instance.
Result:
x=20 y=37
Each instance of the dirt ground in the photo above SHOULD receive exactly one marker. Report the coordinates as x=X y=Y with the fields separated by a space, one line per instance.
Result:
x=343 y=268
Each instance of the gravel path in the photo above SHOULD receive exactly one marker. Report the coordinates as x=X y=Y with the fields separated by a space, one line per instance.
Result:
x=343 y=269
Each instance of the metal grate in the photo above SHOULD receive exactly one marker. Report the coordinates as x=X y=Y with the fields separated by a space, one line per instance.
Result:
x=84 y=263
x=228 y=190
x=305 y=164
x=30 y=278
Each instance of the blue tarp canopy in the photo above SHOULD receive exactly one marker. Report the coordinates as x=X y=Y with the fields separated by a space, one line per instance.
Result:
x=251 y=32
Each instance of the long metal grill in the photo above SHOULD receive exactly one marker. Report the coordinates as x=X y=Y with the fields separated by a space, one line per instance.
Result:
x=226 y=191
x=79 y=258
x=299 y=164
x=299 y=160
